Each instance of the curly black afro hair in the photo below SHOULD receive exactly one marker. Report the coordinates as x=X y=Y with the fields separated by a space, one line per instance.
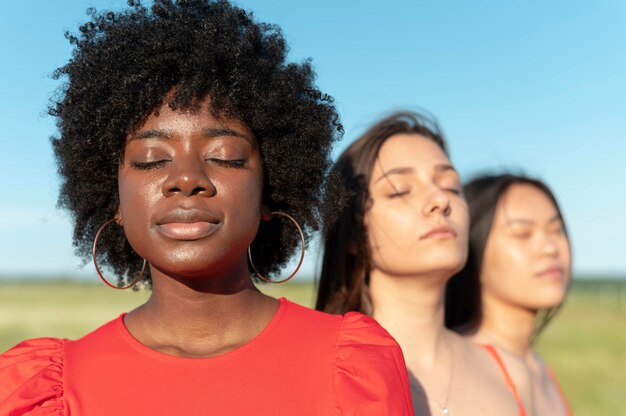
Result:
x=123 y=66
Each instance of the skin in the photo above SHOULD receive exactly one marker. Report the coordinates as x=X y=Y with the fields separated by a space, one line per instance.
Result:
x=190 y=187
x=418 y=229
x=526 y=268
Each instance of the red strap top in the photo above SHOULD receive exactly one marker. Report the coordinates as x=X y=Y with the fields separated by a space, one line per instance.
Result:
x=568 y=409
x=511 y=385
x=507 y=378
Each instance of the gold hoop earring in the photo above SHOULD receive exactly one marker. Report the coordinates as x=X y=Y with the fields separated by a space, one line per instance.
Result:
x=265 y=279
x=95 y=262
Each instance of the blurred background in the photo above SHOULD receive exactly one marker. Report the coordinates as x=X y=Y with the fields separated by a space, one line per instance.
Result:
x=534 y=87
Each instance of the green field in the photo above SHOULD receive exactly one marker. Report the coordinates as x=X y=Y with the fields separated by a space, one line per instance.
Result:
x=586 y=344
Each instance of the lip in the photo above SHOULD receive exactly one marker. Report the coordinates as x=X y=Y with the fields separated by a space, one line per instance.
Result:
x=187 y=224
x=554 y=272
x=440 y=233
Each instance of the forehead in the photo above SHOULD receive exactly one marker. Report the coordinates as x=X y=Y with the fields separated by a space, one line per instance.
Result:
x=166 y=118
x=409 y=150
x=525 y=202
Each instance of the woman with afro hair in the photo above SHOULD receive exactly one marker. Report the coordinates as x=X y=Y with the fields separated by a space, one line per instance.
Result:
x=189 y=149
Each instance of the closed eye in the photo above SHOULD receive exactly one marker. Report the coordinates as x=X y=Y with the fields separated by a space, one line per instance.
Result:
x=231 y=163
x=149 y=165
x=558 y=231
x=398 y=194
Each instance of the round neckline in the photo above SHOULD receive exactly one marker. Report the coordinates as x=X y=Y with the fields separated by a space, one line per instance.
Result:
x=172 y=359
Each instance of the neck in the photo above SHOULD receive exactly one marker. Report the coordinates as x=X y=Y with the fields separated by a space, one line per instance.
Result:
x=411 y=309
x=507 y=326
x=197 y=301
x=201 y=316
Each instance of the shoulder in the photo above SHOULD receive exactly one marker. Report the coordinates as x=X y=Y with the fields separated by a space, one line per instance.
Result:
x=339 y=330
x=301 y=314
x=307 y=326
x=357 y=328
x=34 y=372
x=368 y=369
x=98 y=340
x=350 y=328
x=370 y=374
x=361 y=341
x=31 y=378
x=346 y=330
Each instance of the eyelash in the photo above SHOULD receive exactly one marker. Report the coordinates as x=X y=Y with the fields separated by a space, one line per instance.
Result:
x=398 y=194
x=558 y=231
x=235 y=163
x=149 y=165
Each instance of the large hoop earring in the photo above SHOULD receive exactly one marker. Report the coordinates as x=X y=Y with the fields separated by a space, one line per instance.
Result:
x=95 y=262
x=265 y=279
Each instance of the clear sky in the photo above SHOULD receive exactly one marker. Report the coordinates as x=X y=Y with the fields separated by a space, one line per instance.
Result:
x=532 y=86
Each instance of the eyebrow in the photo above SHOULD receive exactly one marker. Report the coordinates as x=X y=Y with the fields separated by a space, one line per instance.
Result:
x=511 y=221
x=407 y=170
x=166 y=134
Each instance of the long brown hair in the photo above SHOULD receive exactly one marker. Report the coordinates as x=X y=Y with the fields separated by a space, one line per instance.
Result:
x=463 y=297
x=344 y=280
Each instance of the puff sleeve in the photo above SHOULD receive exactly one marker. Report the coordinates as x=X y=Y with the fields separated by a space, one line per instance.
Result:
x=370 y=376
x=31 y=378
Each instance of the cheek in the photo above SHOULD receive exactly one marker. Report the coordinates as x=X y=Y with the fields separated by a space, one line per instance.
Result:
x=242 y=202
x=390 y=228
x=254 y=191
x=566 y=258
x=127 y=193
x=505 y=267
x=250 y=192
x=136 y=197
x=565 y=251
x=460 y=220
x=136 y=200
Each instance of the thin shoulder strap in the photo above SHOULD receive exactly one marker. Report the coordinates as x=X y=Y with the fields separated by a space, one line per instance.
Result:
x=568 y=410
x=507 y=378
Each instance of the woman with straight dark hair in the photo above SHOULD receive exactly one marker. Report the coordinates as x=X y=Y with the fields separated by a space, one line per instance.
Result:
x=514 y=282
x=390 y=252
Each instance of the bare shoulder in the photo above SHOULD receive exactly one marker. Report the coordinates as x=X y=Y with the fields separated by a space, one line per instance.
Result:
x=479 y=383
x=514 y=365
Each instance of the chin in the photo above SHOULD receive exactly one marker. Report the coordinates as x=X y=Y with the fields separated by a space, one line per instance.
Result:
x=440 y=268
x=550 y=302
x=450 y=262
x=182 y=271
x=194 y=264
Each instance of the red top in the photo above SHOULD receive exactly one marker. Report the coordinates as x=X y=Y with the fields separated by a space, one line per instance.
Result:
x=303 y=363
x=507 y=378
x=511 y=385
x=568 y=409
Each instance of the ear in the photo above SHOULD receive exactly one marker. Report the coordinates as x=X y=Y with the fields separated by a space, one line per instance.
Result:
x=266 y=214
x=118 y=218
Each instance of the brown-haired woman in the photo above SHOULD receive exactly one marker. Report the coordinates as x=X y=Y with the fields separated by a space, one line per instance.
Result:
x=515 y=280
x=402 y=235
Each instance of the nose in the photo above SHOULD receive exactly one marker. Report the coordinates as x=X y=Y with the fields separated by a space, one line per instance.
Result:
x=437 y=203
x=188 y=177
x=550 y=248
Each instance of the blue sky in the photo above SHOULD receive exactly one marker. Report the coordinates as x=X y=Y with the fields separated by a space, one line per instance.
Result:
x=533 y=86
